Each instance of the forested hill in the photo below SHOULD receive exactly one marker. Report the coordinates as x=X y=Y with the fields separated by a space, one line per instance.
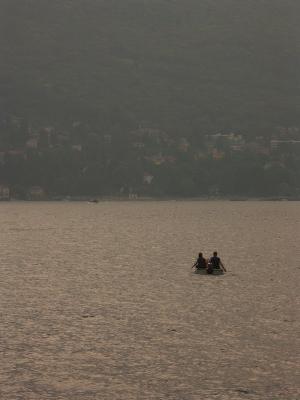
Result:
x=187 y=66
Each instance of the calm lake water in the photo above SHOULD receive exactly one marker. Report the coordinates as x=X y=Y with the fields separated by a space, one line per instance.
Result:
x=98 y=301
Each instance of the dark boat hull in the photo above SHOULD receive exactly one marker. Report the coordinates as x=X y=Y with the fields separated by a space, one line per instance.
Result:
x=204 y=272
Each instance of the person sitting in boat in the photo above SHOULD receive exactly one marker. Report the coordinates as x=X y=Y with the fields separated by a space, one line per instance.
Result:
x=201 y=262
x=215 y=263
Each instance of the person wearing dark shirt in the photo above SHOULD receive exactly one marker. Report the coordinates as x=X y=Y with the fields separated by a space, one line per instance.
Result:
x=201 y=262
x=215 y=263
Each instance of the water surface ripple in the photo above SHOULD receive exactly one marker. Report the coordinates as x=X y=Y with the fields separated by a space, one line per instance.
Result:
x=98 y=301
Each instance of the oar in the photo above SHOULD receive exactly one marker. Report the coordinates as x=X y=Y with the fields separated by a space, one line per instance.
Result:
x=223 y=267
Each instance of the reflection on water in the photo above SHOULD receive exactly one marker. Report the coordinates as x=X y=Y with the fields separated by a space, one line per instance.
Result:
x=98 y=301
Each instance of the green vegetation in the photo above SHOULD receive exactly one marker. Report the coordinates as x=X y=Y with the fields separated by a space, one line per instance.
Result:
x=97 y=70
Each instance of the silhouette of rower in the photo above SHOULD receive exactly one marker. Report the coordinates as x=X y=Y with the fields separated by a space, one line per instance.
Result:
x=201 y=262
x=215 y=263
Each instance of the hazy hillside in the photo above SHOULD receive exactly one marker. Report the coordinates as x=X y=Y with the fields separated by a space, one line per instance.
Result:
x=191 y=66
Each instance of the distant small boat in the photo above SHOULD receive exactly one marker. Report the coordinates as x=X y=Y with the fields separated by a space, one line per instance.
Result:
x=94 y=201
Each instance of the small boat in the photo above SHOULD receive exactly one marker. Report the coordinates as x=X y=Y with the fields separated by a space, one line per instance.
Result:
x=202 y=271
x=94 y=201
x=217 y=271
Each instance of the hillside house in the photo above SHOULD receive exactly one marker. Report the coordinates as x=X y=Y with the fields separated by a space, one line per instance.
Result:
x=16 y=121
x=217 y=154
x=77 y=147
x=157 y=159
x=32 y=143
x=232 y=141
x=258 y=148
x=148 y=178
x=183 y=145
x=237 y=147
x=4 y=193
x=36 y=193
x=138 y=145
x=157 y=135
x=285 y=144
x=17 y=153
x=170 y=159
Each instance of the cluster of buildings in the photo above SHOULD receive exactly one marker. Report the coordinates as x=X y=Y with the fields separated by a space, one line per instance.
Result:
x=33 y=193
x=282 y=141
x=271 y=148
x=218 y=146
x=153 y=145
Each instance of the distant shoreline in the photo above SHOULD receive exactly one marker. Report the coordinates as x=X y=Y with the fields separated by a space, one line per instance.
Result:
x=99 y=199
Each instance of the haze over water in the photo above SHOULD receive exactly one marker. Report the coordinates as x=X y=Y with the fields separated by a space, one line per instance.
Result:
x=98 y=301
